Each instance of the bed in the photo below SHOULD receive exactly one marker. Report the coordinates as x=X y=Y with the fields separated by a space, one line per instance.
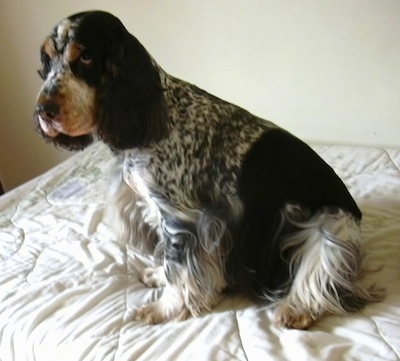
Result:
x=69 y=289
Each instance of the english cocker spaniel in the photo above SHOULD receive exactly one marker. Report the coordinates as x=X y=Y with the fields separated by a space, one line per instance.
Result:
x=224 y=200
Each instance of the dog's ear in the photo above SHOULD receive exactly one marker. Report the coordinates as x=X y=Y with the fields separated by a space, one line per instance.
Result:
x=132 y=109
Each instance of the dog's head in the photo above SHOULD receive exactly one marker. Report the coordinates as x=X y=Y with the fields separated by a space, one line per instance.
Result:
x=99 y=81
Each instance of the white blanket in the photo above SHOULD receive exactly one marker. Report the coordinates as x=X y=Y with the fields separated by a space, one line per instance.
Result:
x=69 y=289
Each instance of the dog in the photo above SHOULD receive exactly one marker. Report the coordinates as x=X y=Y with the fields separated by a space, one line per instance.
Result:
x=223 y=200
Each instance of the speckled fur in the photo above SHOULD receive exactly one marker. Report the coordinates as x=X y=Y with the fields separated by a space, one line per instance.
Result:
x=221 y=198
x=204 y=150
x=190 y=174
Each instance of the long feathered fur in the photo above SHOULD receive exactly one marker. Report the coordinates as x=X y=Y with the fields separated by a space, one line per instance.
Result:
x=221 y=198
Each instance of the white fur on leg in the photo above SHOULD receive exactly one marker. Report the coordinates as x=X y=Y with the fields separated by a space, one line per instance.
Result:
x=170 y=307
x=325 y=264
x=153 y=276
x=134 y=223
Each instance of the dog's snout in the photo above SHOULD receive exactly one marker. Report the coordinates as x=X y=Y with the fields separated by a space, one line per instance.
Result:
x=48 y=111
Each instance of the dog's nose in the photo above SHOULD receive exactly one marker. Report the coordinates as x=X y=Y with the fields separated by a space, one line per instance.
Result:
x=48 y=111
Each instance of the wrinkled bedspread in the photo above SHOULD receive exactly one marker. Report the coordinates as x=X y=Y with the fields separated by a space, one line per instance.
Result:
x=69 y=289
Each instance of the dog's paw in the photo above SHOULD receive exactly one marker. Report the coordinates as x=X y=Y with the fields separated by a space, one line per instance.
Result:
x=150 y=314
x=287 y=317
x=155 y=313
x=153 y=277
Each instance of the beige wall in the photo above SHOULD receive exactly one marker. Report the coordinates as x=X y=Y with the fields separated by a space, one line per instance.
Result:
x=329 y=71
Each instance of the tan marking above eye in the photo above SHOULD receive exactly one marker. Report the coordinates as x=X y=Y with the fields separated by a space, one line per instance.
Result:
x=49 y=48
x=72 y=52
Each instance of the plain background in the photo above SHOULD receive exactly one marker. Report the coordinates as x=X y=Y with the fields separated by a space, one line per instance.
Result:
x=326 y=70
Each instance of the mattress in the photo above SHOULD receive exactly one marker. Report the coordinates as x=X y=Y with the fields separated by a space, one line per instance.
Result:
x=69 y=289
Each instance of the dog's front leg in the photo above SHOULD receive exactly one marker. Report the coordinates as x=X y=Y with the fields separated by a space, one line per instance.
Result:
x=153 y=276
x=171 y=306
x=194 y=280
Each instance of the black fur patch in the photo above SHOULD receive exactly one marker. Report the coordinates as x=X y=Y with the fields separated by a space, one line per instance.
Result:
x=278 y=170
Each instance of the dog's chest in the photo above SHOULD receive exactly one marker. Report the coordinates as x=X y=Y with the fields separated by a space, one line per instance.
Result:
x=164 y=175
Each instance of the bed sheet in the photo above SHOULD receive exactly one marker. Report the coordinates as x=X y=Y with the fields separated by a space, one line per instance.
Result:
x=69 y=289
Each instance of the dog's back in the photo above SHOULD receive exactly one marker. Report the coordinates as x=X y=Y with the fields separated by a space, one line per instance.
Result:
x=222 y=198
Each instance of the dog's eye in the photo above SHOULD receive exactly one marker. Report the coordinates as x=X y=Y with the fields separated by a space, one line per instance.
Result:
x=86 y=59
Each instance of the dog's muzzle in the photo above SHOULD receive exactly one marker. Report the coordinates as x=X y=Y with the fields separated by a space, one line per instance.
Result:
x=48 y=115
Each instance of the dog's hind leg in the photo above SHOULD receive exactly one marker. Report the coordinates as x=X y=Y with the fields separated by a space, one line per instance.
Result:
x=325 y=261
